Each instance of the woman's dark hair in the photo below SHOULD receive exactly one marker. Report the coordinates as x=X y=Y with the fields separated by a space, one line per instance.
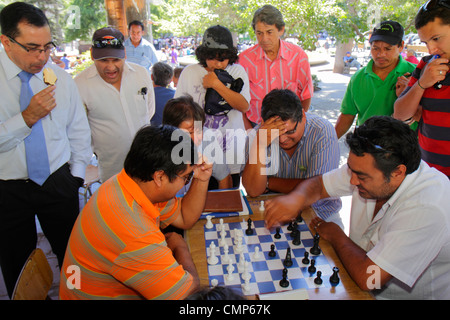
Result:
x=17 y=12
x=203 y=53
x=180 y=109
x=282 y=103
x=159 y=148
x=389 y=141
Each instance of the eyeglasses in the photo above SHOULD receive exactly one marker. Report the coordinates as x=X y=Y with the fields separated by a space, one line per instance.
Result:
x=433 y=4
x=103 y=43
x=288 y=133
x=48 y=48
x=187 y=178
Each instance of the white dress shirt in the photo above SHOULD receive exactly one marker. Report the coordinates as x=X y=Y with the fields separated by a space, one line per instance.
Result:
x=409 y=237
x=66 y=129
x=115 y=116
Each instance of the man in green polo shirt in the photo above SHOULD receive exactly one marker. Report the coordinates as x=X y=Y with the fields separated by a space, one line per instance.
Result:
x=373 y=89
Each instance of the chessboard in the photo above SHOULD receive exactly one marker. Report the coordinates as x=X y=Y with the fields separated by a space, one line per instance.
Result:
x=251 y=259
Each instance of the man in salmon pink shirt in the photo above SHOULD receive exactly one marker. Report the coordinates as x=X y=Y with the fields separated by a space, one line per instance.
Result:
x=274 y=64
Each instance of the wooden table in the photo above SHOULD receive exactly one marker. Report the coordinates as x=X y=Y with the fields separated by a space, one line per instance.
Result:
x=347 y=291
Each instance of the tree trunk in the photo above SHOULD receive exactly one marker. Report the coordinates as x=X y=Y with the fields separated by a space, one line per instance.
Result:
x=341 y=49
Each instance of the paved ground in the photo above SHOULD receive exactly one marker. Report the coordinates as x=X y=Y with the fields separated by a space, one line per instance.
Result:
x=325 y=103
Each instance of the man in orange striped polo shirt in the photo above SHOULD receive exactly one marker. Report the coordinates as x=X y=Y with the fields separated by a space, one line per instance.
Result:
x=116 y=249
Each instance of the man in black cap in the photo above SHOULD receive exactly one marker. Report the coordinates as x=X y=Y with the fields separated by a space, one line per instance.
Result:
x=373 y=89
x=119 y=99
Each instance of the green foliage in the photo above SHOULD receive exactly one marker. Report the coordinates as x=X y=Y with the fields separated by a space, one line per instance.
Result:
x=92 y=16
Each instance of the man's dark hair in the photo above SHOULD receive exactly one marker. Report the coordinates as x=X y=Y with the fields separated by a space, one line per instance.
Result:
x=17 y=12
x=389 y=141
x=269 y=15
x=215 y=293
x=202 y=53
x=181 y=109
x=162 y=74
x=151 y=151
x=282 y=103
x=136 y=23
x=431 y=10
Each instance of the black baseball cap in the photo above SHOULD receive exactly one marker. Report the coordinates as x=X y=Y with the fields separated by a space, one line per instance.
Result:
x=108 y=43
x=217 y=37
x=388 y=31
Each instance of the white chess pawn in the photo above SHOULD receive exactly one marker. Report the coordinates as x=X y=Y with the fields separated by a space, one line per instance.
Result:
x=230 y=269
x=256 y=254
x=212 y=260
x=246 y=275
x=222 y=240
x=261 y=206
x=221 y=226
x=246 y=286
x=241 y=260
x=209 y=224
x=226 y=257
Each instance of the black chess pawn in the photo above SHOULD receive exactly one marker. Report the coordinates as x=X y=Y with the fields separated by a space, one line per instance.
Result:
x=272 y=252
x=334 y=278
x=305 y=260
x=277 y=234
x=288 y=260
x=284 y=282
x=312 y=266
x=289 y=227
x=249 y=230
x=318 y=279
x=315 y=249
x=299 y=217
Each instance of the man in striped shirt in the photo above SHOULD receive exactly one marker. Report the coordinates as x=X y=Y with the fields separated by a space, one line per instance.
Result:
x=299 y=145
x=429 y=88
x=116 y=249
x=274 y=64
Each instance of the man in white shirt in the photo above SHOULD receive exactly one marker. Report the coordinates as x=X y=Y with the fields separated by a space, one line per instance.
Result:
x=399 y=241
x=48 y=116
x=118 y=97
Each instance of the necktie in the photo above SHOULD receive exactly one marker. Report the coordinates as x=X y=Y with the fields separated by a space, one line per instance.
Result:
x=35 y=147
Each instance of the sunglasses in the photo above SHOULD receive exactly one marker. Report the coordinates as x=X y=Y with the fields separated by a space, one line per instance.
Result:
x=433 y=4
x=187 y=178
x=112 y=43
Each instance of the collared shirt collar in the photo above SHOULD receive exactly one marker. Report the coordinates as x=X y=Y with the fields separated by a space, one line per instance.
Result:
x=137 y=194
x=399 y=65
